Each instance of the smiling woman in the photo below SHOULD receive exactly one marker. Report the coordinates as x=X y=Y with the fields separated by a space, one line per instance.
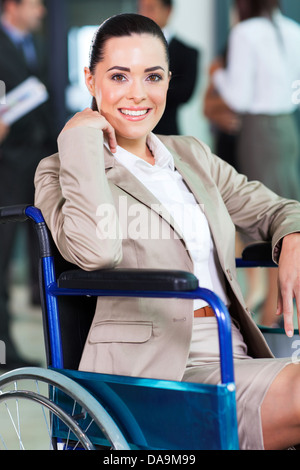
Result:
x=118 y=195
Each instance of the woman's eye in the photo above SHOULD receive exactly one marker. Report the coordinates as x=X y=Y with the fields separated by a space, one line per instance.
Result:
x=155 y=77
x=118 y=78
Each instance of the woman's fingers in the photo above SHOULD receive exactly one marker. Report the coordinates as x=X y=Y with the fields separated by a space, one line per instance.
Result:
x=90 y=118
x=289 y=281
x=287 y=309
x=111 y=137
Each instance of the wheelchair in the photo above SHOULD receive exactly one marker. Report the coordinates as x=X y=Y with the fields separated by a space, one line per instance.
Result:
x=85 y=410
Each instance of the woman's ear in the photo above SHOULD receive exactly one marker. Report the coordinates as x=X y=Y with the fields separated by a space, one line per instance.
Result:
x=89 y=81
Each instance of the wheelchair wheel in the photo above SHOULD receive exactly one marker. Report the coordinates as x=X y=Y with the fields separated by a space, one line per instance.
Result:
x=29 y=412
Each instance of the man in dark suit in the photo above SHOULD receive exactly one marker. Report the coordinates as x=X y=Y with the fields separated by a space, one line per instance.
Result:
x=183 y=62
x=26 y=143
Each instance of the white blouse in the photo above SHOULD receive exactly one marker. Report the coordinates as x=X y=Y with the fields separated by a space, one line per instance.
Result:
x=167 y=185
x=263 y=66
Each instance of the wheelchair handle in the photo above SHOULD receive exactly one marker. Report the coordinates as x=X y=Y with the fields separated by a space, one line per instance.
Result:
x=13 y=213
x=23 y=212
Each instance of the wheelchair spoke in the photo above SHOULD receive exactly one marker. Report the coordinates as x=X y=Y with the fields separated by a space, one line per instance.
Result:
x=85 y=430
x=44 y=415
x=45 y=409
x=69 y=431
x=15 y=421
x=14 y=425
x=3 y=443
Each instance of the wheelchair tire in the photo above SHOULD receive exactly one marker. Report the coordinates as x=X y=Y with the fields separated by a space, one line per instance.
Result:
x=26 y=404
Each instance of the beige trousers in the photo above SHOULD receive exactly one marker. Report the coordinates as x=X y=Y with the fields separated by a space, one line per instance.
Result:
x=253 y=377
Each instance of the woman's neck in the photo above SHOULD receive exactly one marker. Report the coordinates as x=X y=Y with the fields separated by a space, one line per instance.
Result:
x=138 y=148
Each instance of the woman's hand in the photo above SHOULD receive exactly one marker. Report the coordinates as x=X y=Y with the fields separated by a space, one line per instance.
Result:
x=289 y=281
x=89 y=118
x=4 y=129
x=217 y=64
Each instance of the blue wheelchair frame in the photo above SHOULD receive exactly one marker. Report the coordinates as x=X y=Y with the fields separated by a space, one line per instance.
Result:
x=154 y=414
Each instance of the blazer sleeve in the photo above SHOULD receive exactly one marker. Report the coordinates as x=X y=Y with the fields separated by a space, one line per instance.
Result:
x=72 y=191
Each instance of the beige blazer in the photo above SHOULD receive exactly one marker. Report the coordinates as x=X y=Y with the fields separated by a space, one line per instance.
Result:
x=83 y=190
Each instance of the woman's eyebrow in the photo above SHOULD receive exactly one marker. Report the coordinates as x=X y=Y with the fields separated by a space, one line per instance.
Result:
x=152 y=69
x=126 y=69
x=118 y=67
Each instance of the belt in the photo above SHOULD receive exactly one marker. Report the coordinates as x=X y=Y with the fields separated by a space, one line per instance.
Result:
x=204 y=312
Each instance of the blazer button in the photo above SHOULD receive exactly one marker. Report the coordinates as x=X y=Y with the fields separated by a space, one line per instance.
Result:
x=229 y=274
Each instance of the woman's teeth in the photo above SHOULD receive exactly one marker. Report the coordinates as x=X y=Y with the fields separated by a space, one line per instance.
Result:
x=128 y=112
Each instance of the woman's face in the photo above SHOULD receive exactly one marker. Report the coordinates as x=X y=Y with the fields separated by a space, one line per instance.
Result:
x=130 y=84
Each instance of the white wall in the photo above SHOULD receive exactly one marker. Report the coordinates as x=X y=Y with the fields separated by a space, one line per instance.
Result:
x=193 y=21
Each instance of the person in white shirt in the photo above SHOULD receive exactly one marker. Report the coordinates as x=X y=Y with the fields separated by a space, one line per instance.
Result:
x=258 y=84
x=262 y=62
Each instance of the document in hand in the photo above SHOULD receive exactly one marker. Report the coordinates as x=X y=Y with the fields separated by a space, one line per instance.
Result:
x=21 y=100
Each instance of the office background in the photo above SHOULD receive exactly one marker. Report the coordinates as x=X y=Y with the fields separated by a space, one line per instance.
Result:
x=69 y=26
x=202 y=23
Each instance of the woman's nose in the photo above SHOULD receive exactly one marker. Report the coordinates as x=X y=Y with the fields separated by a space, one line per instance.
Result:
x=137 y=91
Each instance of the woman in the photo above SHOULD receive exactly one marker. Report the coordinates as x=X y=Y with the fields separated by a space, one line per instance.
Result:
x=257 y=84
x=117 y=195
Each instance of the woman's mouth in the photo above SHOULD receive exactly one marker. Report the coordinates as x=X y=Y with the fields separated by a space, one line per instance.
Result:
x=134 y=114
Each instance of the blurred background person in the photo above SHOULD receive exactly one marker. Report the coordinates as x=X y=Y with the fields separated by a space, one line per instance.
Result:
x=263 y=62
x=225 y=122
x=184 y=64
x=4 y=129
x=29 y=139
x=225 y=127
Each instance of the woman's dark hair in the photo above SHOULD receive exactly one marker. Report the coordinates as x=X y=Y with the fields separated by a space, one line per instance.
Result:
x=3 y=3
x=118 y=26
x=167 y=3
x=253 y=8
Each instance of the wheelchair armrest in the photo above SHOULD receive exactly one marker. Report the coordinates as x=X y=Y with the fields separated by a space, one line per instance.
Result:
x=261 y=251
x=129 y=280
